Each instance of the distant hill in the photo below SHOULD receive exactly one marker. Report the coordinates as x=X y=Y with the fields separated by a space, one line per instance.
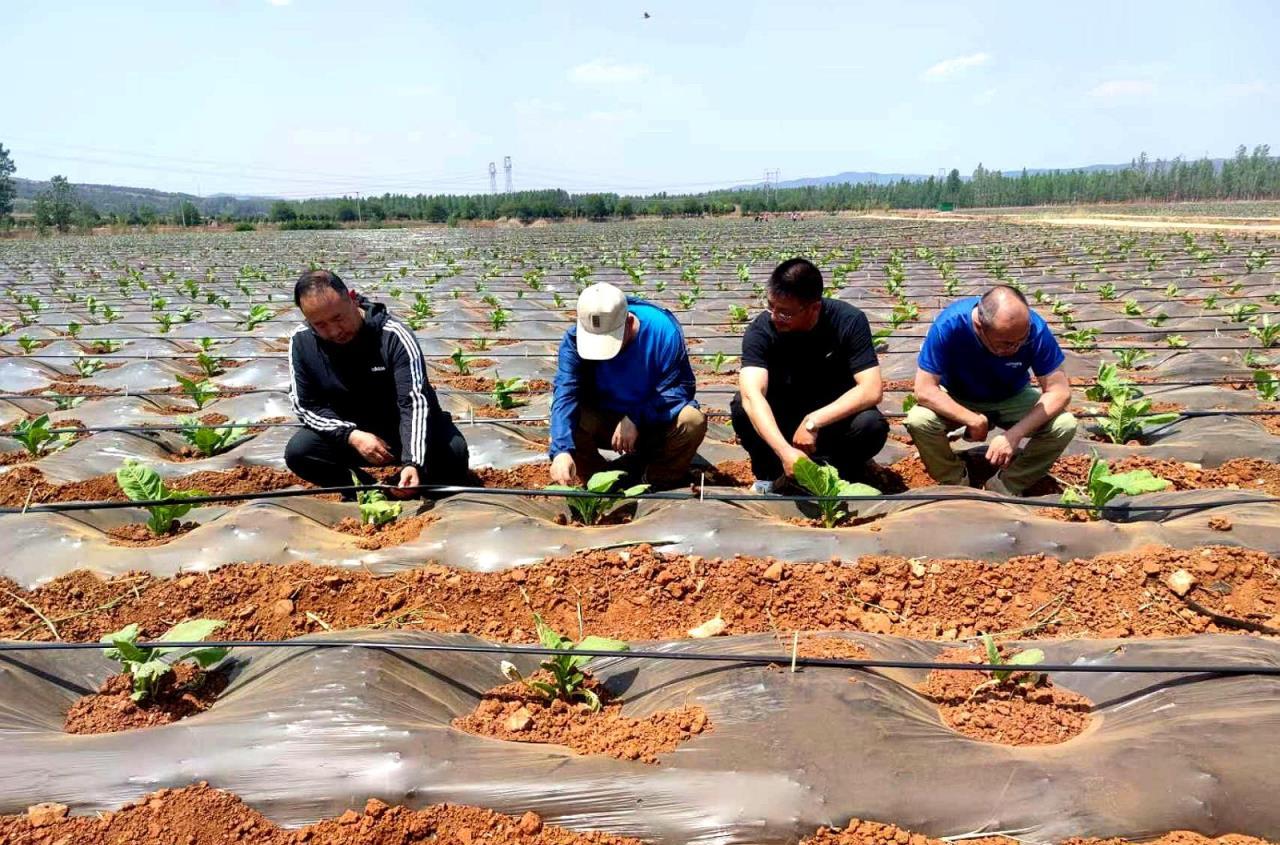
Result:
x=109 y=199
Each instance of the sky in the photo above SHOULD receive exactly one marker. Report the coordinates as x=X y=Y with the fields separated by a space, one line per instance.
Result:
x=299 y=98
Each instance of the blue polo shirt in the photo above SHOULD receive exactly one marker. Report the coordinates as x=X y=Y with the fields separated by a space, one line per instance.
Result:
x=968 y=370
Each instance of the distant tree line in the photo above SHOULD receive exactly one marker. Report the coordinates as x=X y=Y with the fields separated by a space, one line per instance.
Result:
x=1248 y=175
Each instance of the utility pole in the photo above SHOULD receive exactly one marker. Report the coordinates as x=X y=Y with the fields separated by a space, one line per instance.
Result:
x=506 y=167
x=493 y=178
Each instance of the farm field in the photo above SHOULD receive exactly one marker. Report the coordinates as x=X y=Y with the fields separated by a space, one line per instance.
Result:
x=366 y=689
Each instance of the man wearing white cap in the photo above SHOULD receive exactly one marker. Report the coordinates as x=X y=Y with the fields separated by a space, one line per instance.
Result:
x=624 y=382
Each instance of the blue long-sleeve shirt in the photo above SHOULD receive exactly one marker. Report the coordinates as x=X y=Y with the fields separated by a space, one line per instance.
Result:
x=650 y=380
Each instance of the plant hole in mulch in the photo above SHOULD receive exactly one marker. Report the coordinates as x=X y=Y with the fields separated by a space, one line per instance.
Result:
x=516 y=713
x=183 y=692
x=1009 y=713
x=403 y=529
x=138 y=535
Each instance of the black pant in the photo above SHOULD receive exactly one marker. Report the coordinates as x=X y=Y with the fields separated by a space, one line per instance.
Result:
x=328 y=463
x=846 y=444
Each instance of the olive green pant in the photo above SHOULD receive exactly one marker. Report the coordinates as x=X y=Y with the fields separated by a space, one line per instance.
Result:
x=664 y=451
x=1030 y=463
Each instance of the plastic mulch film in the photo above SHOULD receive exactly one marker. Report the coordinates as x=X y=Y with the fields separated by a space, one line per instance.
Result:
x=306 y=733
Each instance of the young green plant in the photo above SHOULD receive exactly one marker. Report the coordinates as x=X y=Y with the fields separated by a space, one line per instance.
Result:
x=375 y=508
x=146 y=667
x=141 y=483
x=1102 y=485
x=825 y=483
x=568 y=682
x=591 y=509
x=212 y=440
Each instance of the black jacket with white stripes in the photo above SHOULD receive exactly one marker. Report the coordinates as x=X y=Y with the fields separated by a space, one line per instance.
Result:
x=376 y=383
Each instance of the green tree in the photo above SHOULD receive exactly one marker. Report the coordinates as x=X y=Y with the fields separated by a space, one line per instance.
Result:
x=56 y=206
x=86 y=216
x=7 y=189
x=187 y=214
x=953 y=183
x=282 y=212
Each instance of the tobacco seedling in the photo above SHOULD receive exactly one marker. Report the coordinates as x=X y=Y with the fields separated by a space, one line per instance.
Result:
x=209 y=364
x=375 y=508
x=212 y=440
x=1101 y=486
x=498 y=318
x=1266 y=332
x=1128 y=418
x=38 y=439
x=88 y=366
x=143 y=484
x=1128 y=358
x=591 y=509
x=1268 y=386
x=568 y=682
x=716 y=361
x=28 y=343
x=1082 y=340
x=505 y=390
x=1028 y=657
x=66 y=403
x=255 y=316
x=145 y=666
x=1176 y=341
x=461 y=361
x=825 y=483
x=200 y=391
x=1109 y=385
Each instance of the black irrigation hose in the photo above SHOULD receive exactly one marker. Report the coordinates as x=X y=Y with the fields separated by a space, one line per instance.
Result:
x=1226 y=670
x=144 y=429
x=441 y=490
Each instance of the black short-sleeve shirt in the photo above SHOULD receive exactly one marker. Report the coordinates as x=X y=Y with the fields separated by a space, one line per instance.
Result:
x=812 y=368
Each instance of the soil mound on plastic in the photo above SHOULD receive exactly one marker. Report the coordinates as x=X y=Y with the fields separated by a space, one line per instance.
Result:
x=181 y=693
x=641 y=594
x=21 y=481
x=859 y=832
x=516 y=713
x=522 y=477
x=402 y=530
x=201 y=815
x=1240 y=473
x=1010 y=712
x=138 y=535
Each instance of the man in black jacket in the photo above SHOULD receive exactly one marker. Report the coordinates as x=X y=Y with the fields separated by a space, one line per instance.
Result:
x=359 y=385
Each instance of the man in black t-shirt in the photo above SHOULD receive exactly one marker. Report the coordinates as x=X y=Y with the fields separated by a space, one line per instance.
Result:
x=810 y=382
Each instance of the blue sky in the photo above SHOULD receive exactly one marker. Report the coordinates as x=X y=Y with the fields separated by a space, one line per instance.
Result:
x=306 y=97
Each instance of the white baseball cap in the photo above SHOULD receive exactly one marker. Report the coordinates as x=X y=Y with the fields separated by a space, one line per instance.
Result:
x=602 y=322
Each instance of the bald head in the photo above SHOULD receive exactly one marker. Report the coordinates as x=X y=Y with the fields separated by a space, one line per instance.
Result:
x=1004 y=319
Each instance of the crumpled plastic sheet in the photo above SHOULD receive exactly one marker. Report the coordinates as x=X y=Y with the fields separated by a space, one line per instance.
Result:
x=302 y=734
x=488 y=533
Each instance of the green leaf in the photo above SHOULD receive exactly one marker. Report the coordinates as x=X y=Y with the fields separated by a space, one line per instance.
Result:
x=206 y=657
x=817 y=479
x=602 y=482
x=636 y=490
x=548 y=635
x=1030 y=657
x=993 y=653
x=191 y=631
x=593 y=700
x=139 y=482
x=124 y=650
x=849 y=488
x=1136 y=481
x=545 y=688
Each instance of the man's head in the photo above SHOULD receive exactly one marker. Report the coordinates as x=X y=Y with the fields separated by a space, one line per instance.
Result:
x=1003 y=320
x=795 y=295
x=605 y=326
x=328 y=307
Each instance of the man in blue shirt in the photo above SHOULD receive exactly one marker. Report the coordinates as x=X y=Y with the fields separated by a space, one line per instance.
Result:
x=624 y=382
x=974 y=372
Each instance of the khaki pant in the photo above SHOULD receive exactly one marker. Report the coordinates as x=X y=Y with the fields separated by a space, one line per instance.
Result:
x=1030 y=463
x=665 y=451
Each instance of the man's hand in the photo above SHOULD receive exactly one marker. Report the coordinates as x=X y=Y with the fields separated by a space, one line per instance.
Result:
x=564 y=470
x=804 y=440
x=1000 y=452
x=371 y=447
x=789 y=458
x=976 y=430
x=624 y=436
x=407 y=485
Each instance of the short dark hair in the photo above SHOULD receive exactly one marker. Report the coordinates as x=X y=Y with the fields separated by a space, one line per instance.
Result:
x=989 y=304
x=798 y=278
x=315 y=280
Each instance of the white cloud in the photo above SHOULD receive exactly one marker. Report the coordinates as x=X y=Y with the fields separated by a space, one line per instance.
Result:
x=1114 y=89
x=605 y=72
x=950 y=67
x=985 y=98
x=1245 y=89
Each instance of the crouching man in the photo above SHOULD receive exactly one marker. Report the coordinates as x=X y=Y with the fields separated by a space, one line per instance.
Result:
x=359 y=384
x=974 y=372
x=809 y=384
x=624 y=382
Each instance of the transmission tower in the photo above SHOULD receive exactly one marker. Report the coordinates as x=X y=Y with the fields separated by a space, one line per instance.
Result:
x=771 y=185
x=506 y=169
x=493 y=178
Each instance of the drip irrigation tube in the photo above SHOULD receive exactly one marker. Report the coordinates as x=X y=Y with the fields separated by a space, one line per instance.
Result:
x=433 y=491
x=1225 y=670
x=499 y=420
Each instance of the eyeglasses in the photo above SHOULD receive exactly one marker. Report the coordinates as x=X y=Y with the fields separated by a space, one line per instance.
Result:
x=1004 y=348
x=784 y=315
